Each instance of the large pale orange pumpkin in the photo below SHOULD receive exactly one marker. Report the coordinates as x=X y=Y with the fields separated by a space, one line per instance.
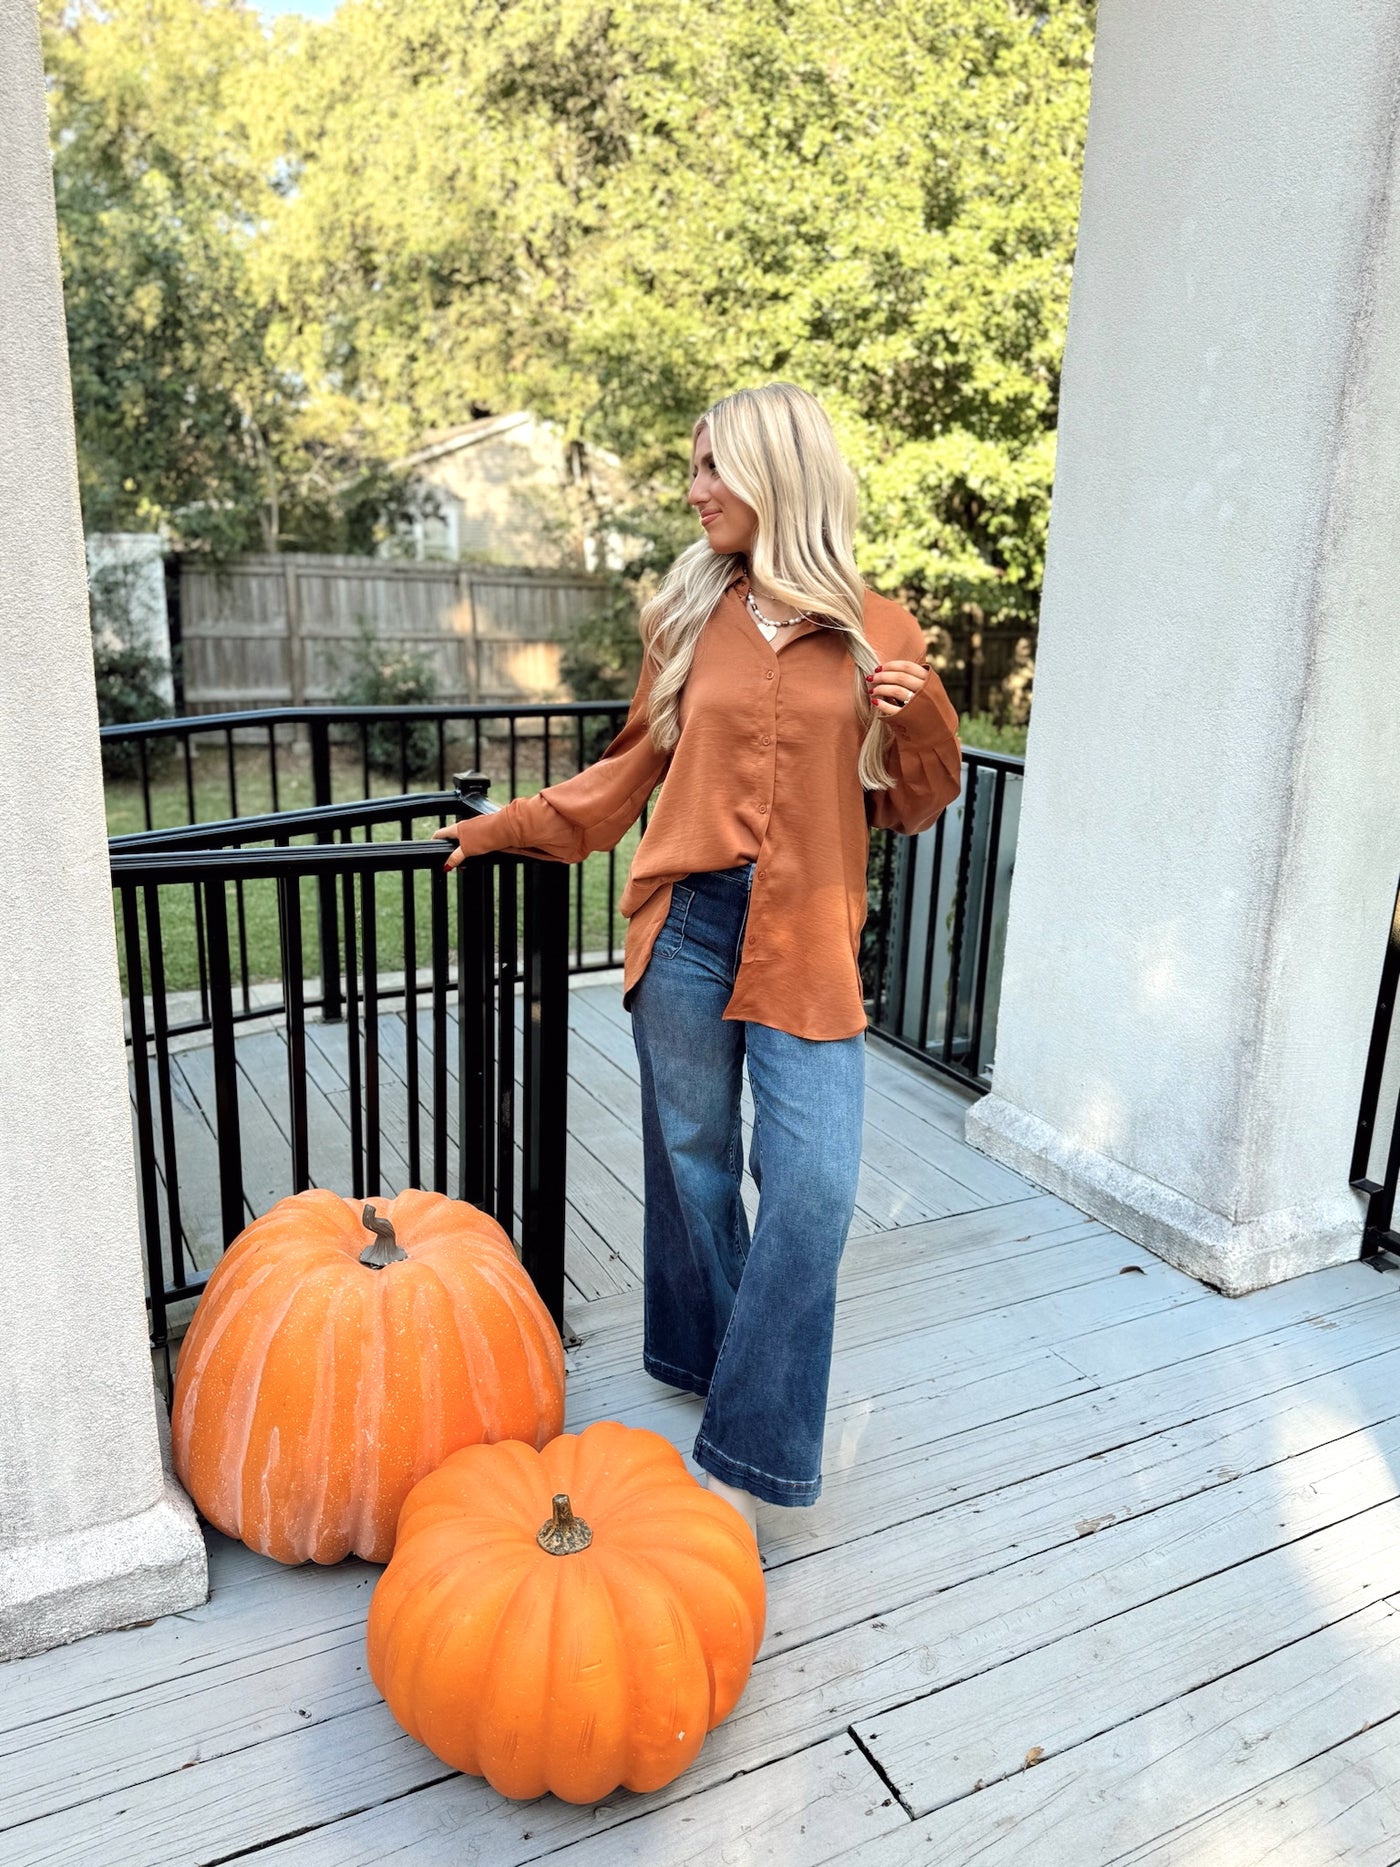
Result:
x=567 y=1620
x=332 y=1363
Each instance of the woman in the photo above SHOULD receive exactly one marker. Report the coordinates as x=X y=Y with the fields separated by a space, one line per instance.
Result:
x=788 y=708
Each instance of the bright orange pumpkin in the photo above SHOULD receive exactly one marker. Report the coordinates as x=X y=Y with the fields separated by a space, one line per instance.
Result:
x=567 y=1620
x=331 y=1364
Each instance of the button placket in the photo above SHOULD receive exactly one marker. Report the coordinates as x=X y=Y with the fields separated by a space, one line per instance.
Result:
x=766 y=739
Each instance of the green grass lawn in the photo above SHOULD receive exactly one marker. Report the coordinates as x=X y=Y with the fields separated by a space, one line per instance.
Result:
x=979 y=732
x=252 y=906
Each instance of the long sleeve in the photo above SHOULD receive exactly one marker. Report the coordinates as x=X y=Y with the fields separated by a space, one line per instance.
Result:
x=925 y=758
x=592 y=810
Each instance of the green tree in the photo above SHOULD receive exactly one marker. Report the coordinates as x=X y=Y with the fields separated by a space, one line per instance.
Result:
x=166 y=184
x=616 y=212
x=291 y=253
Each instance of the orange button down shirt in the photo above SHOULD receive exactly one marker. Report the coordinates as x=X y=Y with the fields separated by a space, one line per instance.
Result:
x=764 y=771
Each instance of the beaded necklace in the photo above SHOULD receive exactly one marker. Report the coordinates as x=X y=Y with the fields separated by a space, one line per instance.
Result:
x=767 y=627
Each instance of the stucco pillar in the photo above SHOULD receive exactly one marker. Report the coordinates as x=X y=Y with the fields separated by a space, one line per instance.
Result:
x=1210 y=828
x=93 y=1532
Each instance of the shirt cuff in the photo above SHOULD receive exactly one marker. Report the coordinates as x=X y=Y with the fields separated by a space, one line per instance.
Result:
x=912 y=712
x=929 y=722
x=496 y=829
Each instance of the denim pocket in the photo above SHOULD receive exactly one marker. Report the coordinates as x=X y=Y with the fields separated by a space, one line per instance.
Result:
x=672 y=936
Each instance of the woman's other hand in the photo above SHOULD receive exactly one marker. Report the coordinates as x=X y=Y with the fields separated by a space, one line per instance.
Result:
x=894 y=684
x=461 y=834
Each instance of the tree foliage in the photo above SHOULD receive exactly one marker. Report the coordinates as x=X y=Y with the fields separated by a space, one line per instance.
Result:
x=607 y=210
x=190 y=413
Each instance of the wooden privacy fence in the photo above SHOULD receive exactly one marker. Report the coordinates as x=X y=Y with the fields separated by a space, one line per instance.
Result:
x=278 y=631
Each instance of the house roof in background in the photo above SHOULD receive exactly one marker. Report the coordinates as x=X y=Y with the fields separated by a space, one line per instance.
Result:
x=439 y=441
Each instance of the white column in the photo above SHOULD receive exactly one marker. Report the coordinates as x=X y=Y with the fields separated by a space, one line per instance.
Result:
x=93 y=1532
x=1210 y=831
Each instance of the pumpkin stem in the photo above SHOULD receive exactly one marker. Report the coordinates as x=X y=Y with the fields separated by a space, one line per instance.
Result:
x=385 y=1249
x=564 y=1534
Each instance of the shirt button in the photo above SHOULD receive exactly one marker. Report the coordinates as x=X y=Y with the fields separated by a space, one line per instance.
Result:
x=766 y=739
x=769 y=675
x=763 y=810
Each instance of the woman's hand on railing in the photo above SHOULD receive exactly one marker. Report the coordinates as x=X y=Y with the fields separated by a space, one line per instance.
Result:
x=469 y=836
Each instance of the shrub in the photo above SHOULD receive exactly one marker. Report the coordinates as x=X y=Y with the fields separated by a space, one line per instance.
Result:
x=376 y=673
x=981 y=733
x=603 y=656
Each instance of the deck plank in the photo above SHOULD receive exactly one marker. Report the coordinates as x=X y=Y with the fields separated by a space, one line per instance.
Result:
x=936 y=1099
x=795 y=1694
x=956 y=1319
x=1124 y=1788
x=1040 y=1222
x=267 y=1163
x=801 y=1811
x=246 y=1696
x=1027 y=1484
x=211 y=1807
x=951 y=1175
x=942 y=1747
x=1073 y=1501
x=255 y=1606
x=1342 y=1806
x=973 y=1627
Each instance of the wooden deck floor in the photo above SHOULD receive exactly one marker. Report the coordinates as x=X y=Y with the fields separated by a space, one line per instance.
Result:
x=1101 y=1574
x=908 y=1172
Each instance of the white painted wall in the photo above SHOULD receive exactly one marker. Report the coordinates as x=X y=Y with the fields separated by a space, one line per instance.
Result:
x=1209 y=837
x=134 y=562
x=92 y=1532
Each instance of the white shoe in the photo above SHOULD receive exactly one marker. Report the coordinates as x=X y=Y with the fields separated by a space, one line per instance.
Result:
x=743 y=1501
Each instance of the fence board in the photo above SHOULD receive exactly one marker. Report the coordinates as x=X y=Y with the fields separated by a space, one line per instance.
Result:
x=277 y=631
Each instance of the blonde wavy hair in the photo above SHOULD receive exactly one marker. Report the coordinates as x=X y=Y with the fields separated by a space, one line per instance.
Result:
x=775 y=448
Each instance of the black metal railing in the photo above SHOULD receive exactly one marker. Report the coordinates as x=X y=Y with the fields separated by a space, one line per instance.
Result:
x=1380 y=1239
x=222 y=767
x=439 y=1074
x=931 y=955
x=933 y=941
x=254 y=962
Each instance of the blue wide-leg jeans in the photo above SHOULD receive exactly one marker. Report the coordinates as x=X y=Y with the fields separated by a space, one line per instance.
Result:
x=744 y=1321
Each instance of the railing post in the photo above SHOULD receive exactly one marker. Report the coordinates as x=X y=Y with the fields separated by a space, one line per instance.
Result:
x=174 y=618
x=1380 y=1204
x=470 y=784
x=230 y=1144
x=145 y=1126
x=546 y=1071
x=544 y=1105
x=332 y=1007
x=476 y=1054
x=961 y=881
